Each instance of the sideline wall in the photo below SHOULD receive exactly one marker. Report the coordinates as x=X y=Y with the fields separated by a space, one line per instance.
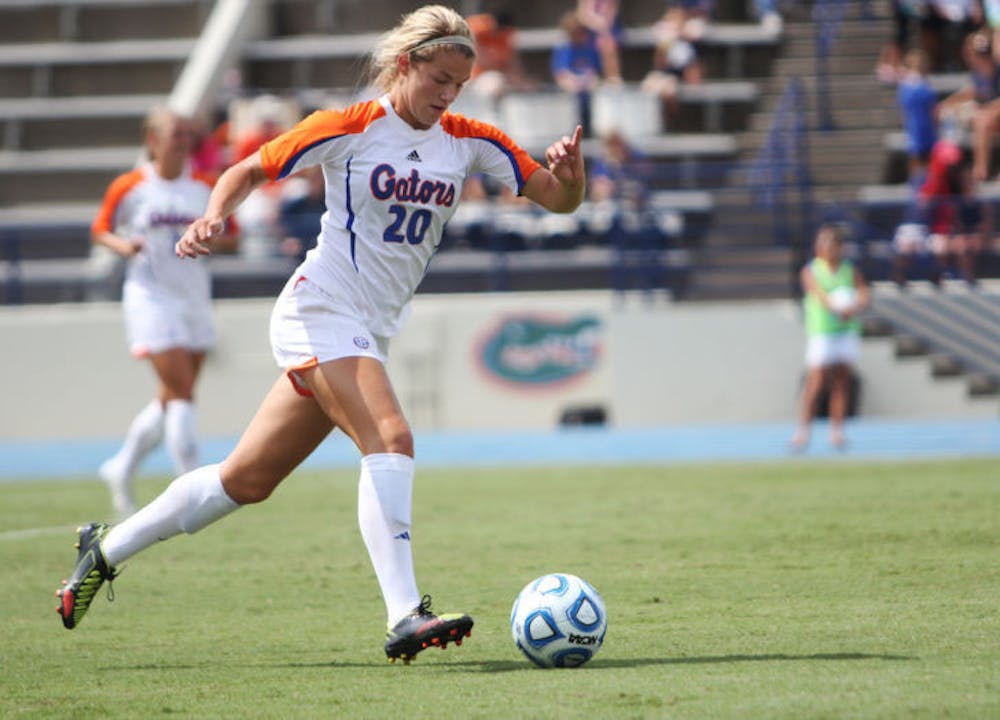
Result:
x=469 y=362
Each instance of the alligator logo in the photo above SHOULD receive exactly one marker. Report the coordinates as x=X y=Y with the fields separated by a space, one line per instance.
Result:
x=537 y=351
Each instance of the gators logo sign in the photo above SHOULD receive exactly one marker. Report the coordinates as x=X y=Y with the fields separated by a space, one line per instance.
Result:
x=535 y=351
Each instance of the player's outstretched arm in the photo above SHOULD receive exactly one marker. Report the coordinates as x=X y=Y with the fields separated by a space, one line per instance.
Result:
x=232 y=189
x=126 y=247
x=559 y=188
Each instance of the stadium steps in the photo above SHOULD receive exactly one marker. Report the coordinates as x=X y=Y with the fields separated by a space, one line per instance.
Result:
x=749 y=271
x=957 y=326
x=40 y=21
x=840 y=159
x=117 y=67
x=66 y=122
x=62 y=175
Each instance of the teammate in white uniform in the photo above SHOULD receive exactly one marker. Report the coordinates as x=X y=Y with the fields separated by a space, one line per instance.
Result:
x=394 y=169
x=166 y=302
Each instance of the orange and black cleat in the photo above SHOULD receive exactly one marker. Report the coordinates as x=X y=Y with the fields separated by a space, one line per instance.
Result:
x=421 y=629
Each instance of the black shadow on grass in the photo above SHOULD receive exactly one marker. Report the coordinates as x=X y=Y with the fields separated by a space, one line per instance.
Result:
x=498 y=666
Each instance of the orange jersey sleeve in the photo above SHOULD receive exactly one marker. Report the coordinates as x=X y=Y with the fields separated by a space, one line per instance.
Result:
x=301 y=146
x=497 y=153
x=118 y=189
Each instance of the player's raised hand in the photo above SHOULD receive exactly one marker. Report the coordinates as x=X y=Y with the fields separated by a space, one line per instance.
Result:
x=565 y=158
x=197 y=239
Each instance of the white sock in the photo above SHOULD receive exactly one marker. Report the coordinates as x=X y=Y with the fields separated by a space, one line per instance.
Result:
x=182 y=435
x=189 y=503
x=385 y=494
x=144 y=433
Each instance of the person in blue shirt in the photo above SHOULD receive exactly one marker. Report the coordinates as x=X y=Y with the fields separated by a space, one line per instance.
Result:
x=576 y=65
x=917 y=101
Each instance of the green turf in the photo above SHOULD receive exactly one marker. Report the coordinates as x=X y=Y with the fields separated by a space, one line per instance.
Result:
x=793 y=590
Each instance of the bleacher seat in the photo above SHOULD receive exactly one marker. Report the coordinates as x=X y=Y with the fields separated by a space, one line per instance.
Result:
x=627 y=110
x=538 y=118
x=477 y=106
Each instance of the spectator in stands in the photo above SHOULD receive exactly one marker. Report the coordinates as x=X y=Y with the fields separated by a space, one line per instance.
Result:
x=166 y=301
x=936 y=19
x=258 y=217
x=620 y=174
x=211 y=153
x=949 y=234
x=675 y=57
x=768 y=15
x=834 y=293
x=976 y=107
x=600 y=17
x=265 y=122
x=576 y=65
x=917 y=102
x=498 y=67
x=394 y=167
x=991 y=25
x=620 y=215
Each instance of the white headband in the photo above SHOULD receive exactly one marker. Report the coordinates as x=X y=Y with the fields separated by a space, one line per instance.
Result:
x=446 y=40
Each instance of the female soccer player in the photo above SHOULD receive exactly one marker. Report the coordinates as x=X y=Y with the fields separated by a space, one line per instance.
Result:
x=394 y=171
x=167 y=302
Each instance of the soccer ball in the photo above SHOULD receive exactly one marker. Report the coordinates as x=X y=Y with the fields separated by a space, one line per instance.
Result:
x=842 y=299
x=558 y=620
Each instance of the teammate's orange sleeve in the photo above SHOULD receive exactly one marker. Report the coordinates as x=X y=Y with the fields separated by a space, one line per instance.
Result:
x=119 y=187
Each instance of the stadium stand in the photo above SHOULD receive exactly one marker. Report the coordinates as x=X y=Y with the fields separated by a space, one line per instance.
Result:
x=958 y=328
x=78 y=75
x=73 y=98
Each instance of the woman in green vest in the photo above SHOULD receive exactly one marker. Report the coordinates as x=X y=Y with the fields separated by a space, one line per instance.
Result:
x=835 y=292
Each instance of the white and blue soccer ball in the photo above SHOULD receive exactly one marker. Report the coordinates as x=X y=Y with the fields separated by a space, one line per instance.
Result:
x=558 y=620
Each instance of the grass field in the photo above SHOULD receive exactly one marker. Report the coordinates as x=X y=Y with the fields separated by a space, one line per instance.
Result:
x=788 y=590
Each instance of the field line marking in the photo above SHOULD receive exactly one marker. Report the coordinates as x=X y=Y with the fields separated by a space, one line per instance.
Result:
x=34 y=532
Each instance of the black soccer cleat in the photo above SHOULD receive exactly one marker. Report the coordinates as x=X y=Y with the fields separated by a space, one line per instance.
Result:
x=422 y=629
x=91 y=571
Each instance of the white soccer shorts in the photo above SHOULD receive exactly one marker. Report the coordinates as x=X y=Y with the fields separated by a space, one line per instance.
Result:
x=823 y=350
x=156 y=322
x=308 y=328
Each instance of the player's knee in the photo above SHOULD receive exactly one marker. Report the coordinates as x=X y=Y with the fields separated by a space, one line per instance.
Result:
x=247 y=486
x=397 y=437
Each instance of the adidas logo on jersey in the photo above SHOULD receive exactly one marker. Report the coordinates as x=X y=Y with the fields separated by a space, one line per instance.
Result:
x=414 y=156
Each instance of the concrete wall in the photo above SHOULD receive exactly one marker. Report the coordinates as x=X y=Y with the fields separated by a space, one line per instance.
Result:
x=484 y=361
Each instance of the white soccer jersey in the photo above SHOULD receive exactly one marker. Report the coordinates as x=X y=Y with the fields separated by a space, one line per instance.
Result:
x=390 y=189
x=141 y=204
